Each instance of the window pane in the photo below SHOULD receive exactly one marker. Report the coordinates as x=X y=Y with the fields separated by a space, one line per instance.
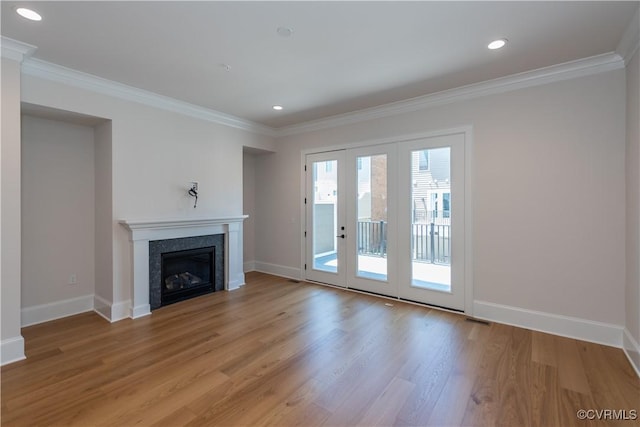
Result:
x=424 y=160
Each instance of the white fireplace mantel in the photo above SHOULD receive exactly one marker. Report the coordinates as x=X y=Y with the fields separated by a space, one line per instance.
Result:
x=142 y=231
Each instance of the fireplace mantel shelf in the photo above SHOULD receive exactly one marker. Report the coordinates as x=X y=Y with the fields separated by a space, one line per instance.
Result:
x=179 y=223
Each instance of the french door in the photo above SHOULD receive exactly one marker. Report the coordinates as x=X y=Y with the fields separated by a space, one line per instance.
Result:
x=389 y=219
x=371 y=217
x=432 y=230
x=326 y=218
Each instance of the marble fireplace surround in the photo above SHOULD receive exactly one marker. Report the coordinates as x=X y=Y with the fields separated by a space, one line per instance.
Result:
x=141 y=232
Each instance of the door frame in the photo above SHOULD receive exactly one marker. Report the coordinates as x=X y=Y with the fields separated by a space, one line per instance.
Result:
x=468 y=196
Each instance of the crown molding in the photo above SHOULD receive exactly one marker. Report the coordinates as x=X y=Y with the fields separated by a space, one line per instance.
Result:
x=568 y=70
x=583 y=67
x=15 y=50
x=58 y=73
x=630 y=41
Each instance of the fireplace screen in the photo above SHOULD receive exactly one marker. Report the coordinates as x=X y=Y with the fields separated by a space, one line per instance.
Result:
x=186 y=274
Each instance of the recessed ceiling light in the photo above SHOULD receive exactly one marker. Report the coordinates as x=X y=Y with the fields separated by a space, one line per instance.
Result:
x=284 y=31
x=277 y=107
x=497 y=44
x=29 y=14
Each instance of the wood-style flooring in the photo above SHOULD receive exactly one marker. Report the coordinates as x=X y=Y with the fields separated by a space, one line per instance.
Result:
x=281 y=353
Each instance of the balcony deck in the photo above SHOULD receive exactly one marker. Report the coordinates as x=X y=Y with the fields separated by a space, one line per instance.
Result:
x=425 y=274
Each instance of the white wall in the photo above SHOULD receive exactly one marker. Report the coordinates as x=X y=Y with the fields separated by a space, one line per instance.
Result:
x=548 y=190
x=155 y=154
x=249 y=208
x=12 y=343
x=632 y=290
x=58 y=209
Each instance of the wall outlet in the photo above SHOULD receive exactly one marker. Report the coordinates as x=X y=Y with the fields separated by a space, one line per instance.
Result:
x=73 y=279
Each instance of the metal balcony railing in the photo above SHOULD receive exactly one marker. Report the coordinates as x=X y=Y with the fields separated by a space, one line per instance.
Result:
x=372 y=238
x=430 y=242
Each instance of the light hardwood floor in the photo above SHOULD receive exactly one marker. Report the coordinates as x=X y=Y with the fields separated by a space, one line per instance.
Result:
x=281 y=353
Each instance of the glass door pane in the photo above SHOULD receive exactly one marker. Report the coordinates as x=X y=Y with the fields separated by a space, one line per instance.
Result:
x=372 y=223
x=431 y=218
x=325 y=215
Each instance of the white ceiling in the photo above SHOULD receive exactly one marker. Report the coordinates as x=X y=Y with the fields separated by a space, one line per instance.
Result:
x=342 y=56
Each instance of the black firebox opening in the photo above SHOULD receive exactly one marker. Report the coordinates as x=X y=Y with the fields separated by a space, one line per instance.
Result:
x=187 y=274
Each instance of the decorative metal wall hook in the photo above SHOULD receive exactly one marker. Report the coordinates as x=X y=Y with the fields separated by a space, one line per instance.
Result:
x=193 y=192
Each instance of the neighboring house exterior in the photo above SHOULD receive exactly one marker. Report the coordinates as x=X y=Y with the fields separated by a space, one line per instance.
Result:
x=372 y=188
x=431 y=205
x=431 y=175
x=325 y=196
x=431 y=187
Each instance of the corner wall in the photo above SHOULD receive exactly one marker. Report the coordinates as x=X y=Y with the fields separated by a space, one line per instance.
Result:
x=632 y=289
x=11 y=341
x=103 y=298
x=249 y=208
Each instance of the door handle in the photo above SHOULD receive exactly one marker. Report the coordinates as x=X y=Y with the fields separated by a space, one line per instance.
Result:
x=341 y=236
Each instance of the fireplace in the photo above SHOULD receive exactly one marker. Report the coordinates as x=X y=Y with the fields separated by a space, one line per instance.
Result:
x=185 y=268
x=150 y=238
x=187 y=274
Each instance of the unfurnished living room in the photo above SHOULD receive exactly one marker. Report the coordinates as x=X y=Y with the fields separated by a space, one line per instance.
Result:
x=320 y=213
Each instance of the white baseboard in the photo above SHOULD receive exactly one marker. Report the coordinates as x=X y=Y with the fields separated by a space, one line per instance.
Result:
x=121 y=310
x=249 y=266
x=571 y=327
x=236 y=284
x=12 y=350
x=632 y=350
x=138 y=311
x=278 y=270
x=102 y=307
x=112 y=312
x=55 y=310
